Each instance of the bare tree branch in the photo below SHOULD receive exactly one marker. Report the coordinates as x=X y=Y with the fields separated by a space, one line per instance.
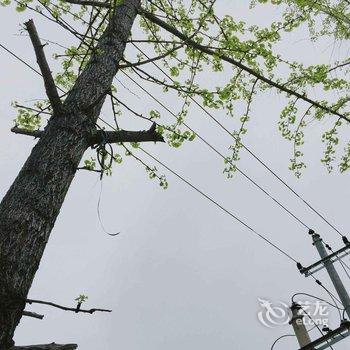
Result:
x=90 y=3
x=34 y=133
x=49 y=82
x=32 y=314
x=139 y=63
x=52 y=346
x=150 y=135
x=74 y=309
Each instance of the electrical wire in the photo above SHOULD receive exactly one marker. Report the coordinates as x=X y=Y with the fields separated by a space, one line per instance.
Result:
x=314 y=322
x=99 y=214
x=220 y=154
x=25 y=63
x=318 y=298
x=211 y=199
x=258 y=159
x=281 y=337
x=201 y=138
x=247 y=177
x=199 y=191
x=327 y=290
x=19 y=59
x=208 y=197
x=217 y=204
x=344 y=266
x=202 y=193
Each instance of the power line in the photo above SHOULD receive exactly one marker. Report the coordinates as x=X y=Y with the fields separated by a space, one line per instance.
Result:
x=246 y=225
x=318 y=298
x=210 y=199
x=344 y=266
x=19 y=59
x=327 y=290
x=258 y=159
x=193 y=186
x=221 y=155
x=200 y=137
x=281 y=337
x=199 y=191
x=315 y=323
x=217 y=204
x=25 y=63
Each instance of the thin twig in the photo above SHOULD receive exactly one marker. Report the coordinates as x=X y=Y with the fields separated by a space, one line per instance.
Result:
x=73 y=309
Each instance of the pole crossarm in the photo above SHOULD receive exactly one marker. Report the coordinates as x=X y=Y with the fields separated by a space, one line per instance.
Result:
x=319 y=265
x=327 y=261
x=330 y=338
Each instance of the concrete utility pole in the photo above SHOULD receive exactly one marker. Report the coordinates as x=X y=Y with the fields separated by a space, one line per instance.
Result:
x=333 y=274
x=327 y=261
x=299 y=326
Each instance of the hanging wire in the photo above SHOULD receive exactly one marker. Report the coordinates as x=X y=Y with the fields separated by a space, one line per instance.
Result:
x=327 y=290
x=335 y=305
x=315 y=323
x=343 y=265
x=281 y=337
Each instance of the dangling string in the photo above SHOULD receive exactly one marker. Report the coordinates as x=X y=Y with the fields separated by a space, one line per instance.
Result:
x=99 y=214
x=102 y=154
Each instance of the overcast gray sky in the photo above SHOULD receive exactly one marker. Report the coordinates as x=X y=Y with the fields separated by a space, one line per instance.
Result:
x=182 y=274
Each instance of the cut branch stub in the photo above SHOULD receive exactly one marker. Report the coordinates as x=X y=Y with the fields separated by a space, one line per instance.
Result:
x=49 y=82
x=52 y=346
x=120 y=136
x=32 y=314
x=34 y=133
x=117 y=136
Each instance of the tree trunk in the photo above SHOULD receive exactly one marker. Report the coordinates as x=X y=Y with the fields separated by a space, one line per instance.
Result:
x=29 y=209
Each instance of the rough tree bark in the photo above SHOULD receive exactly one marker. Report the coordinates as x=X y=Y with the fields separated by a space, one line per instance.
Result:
x=29 y=209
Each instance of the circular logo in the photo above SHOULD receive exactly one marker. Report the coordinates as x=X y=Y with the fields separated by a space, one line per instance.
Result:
x=273 y=315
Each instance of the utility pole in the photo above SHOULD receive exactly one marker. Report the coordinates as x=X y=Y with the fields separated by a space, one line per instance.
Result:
x=327 y=261
x=332 y=272
x=299 y=326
